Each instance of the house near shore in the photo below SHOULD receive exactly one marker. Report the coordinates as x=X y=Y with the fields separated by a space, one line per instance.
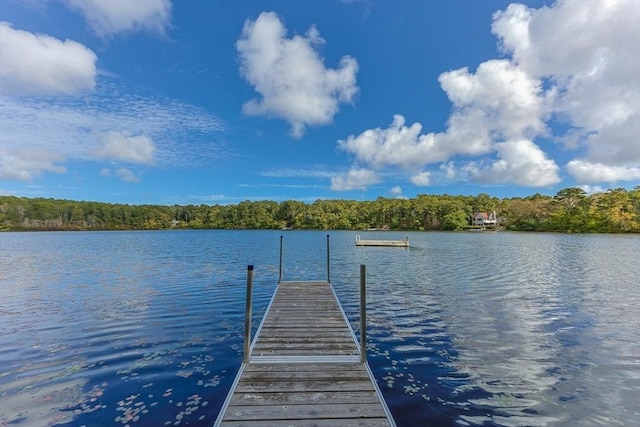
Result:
x=484 y=219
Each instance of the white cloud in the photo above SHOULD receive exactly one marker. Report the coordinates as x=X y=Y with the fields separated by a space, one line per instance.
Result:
x=109 y=17
x=182 y=134
x=24 y=164
x=290 y=75
x=448 y=170
x=309 y=172
x=355 y=179
x=499 y=101
x=588 y=52
x=421 y=179
x=520 y=162
x=38 y=64
x=126 y=175
x=396 y=191
x=588 y=173
x=398 y=145
x=571 y=38
x=127 y=148
x=592 y=190
x=573 y=64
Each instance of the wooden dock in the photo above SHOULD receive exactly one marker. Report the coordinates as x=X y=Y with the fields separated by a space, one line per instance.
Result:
x=393 y=243
x=305 y=366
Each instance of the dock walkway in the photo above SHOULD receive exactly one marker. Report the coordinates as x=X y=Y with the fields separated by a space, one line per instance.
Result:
x=305 y=367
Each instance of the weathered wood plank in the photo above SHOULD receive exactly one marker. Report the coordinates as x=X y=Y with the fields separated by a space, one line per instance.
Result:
x=301 y=367
x=293 y=346
x=308 y=375
x=299 y=377
x=327 y=341
x=307 y=397
x=315 y=411
x=369 y=422
x=309 y=352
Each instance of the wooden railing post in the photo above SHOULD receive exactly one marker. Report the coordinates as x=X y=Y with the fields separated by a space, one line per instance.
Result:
x=328 y=267
x=280 y=275
x=247 y=314
x=363 y=314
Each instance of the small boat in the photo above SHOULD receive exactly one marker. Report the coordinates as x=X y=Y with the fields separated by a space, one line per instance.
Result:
x=393 y=243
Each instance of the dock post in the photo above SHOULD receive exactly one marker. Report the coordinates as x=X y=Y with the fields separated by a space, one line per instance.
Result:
x=363 y=314
x=280 y=275
x=328 y=269
x=247 y=315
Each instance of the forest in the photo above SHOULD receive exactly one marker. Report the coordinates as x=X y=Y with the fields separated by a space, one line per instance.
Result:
x=570 y=210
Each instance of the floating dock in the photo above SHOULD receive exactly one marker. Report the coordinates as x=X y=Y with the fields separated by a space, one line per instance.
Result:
x=305 y=366
x=394 y=243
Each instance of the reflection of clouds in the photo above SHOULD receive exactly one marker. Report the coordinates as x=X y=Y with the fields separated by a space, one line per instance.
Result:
x=119 y=311
x=602 y=334
x=59 y=310
x=526 y=329
x=546 y=321
x=37 y=400
x=502 y=330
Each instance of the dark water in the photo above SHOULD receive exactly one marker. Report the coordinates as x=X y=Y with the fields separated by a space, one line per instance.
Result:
x=145 y=328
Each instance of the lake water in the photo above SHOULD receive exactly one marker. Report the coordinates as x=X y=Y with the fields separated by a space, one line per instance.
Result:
x=488 y=328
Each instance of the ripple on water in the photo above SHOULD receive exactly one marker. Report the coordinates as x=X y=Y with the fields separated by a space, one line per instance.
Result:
x=466 y=329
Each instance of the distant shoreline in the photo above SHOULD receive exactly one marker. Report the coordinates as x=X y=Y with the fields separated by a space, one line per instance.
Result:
x=570 y=211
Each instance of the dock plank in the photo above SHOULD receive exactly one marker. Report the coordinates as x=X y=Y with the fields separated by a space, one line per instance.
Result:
x=304 y=368
x=369 y=422
x=315 y=411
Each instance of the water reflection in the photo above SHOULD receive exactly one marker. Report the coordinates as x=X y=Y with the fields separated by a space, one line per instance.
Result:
x=464 y=328
x=520 y=326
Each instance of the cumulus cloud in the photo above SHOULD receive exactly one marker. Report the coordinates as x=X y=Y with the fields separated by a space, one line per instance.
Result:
x=448 y=170
x=405 y=146
x=396 y=191
x=109 y=17
x=421 y=179
x=290 y=75
x=355 y=179
x=587 y=50
x=570 y=75
x=38 y=64
x=498 y=101
x=520 y=162
x=125 y=147
x=585 y=172
x=397 y=145
x=24 y=164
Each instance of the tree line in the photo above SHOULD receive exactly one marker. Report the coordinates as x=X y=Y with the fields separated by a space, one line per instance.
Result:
x=570 y=210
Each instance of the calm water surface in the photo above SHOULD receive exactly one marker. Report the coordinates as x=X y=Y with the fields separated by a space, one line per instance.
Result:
x=465 y=329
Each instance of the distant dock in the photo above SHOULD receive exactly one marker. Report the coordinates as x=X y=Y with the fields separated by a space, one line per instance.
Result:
x=305 y=366
x=394 y=243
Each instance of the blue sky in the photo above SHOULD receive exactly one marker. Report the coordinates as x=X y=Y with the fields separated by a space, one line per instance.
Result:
x=192 y=102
